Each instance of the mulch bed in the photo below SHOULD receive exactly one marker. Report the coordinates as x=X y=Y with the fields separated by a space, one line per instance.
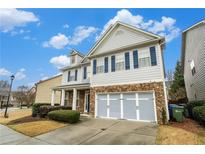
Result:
x=25 y=119
x=189 y=125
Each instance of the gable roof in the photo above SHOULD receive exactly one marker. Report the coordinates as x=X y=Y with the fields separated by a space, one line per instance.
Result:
x=74 y=51
x=112 y=27
x=202 y=22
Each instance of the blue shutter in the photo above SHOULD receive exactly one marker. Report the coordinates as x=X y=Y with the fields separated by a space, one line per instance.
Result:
x=127 y=61
x=106 y=64
x=85 y=72
x=68 y=76
x=135 y=59
x=153 y=56
x=113 y=63
x=76 y=75
x=94 y=66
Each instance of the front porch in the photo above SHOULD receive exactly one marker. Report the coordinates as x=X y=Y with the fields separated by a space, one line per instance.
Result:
x=76 y=96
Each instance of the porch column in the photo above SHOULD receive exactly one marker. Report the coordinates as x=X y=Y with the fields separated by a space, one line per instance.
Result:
x=74 y=98
x=62 y=97
x=52 y=97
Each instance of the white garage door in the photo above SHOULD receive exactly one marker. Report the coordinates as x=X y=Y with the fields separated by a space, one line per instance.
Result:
x=131 y=106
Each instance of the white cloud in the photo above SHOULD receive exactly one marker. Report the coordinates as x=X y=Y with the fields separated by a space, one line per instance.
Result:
x=60 y=41
x=44 y=78
x=11 y=18
x=60 y=61
x=4 y=72
x=20 y=74
x=81 y=33
x=66 y=26
x=166 y=27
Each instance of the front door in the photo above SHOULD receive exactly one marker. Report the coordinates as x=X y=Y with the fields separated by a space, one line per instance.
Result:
x=87 y=102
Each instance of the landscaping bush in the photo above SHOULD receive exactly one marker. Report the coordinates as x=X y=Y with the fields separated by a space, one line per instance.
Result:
x=199 y=114
x=36 y=106
x=193 y=104
x=43 y=110
x=69 y=116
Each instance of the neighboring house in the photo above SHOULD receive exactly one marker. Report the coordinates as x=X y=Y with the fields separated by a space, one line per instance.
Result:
x=44 y=90
x=193 y=61
x=122 y=76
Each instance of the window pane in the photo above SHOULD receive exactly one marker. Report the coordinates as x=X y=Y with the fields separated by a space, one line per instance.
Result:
x=144 y=62
x=119 y=66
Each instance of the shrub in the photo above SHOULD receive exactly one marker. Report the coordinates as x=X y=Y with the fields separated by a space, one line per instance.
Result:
x=36 y=106
x=199 y=114
x=69 y=116
x=43 y=110
x=193 y=104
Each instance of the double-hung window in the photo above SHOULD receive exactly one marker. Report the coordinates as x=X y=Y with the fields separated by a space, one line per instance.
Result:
x=119 y=62
x=100 y=67
x=193 y=70
x=144 y=59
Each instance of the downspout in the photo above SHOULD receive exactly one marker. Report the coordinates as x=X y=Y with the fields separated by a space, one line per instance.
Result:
x=164 y=86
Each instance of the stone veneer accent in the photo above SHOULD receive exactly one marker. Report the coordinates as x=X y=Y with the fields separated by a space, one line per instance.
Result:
x=156 y=86
x=80 y=100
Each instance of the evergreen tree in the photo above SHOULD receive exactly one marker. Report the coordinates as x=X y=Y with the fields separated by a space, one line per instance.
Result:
x=177 y=91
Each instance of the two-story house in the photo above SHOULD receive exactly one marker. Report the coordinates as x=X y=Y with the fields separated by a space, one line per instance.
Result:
x=193 y=61
x=121 y=77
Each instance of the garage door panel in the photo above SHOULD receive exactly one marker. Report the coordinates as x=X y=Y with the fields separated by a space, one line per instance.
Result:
x=129 y=106
x=146 y=107
x=115 y=106
x=102 y=105
x=141 y=109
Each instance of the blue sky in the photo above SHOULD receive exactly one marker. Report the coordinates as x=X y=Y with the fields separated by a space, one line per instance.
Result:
x=34 y=42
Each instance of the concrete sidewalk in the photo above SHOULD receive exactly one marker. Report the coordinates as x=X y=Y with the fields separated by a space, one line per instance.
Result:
x=11 y=137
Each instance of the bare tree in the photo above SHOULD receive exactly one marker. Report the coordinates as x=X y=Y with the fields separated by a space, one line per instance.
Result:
x=4 y=89
x=24 y=95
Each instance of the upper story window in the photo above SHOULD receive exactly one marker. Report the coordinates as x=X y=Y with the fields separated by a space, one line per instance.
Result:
x=72 y=77
x=193 y=69
x=144 y=58
x=73 y=59
x=100 y=69
x=98 y=66
x=119 y=65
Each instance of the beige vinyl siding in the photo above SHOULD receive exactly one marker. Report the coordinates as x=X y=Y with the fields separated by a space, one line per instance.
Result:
x=120 y=37
x=79 y=78
x=138 y=75
x=195 y=50
x=44 y=91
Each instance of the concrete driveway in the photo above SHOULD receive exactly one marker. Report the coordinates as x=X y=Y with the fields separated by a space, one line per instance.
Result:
x=103 y=132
